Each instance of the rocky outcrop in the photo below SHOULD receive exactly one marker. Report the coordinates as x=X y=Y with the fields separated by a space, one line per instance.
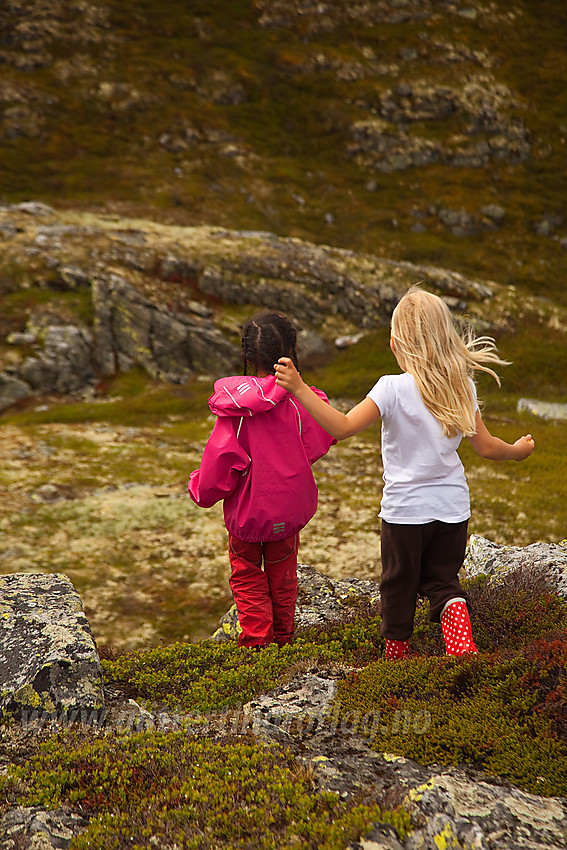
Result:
x=322 y=600
x=543 y=409
x=12 y=389
x=62 y=360
x=40 y=829
x=48 y=657
x=483 y=106
x=159 y=297
x=450 y=807
x=487 y=558
x=130 y=329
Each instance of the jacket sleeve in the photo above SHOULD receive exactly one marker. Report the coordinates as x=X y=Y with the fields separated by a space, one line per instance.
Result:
x=315 y=439
x=223 y=462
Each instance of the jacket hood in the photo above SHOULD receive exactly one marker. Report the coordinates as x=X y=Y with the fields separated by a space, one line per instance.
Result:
x=245 y=395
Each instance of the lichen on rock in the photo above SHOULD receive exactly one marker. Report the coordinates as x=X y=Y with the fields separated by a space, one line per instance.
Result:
x=48 y=656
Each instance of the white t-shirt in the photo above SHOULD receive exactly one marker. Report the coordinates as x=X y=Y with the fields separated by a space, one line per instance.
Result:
x=424 y=479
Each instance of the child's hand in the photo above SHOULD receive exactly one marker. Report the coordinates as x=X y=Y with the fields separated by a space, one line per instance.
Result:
x=287 y=375
x=524 y=447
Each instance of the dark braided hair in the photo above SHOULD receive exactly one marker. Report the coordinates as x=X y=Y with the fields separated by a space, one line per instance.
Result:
x=265 y=338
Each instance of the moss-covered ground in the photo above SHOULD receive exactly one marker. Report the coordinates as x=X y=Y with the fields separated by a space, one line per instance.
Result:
x=502 y=712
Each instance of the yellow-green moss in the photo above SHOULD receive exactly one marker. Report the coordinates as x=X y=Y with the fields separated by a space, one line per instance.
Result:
x=491 y=713
x=169 y=787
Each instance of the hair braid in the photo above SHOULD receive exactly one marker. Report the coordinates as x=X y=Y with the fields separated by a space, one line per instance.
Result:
x=265 y=338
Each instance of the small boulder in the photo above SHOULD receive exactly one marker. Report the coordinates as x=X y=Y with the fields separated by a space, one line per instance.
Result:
x=48 y=658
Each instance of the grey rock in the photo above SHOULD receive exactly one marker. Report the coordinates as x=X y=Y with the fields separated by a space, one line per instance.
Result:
x=484 y=557
x=494 y=212
x=229 y=627
x=34 y=208
x=384 y=144
x=62 y=361
x=460 y=222
x=130 y=717
x=294 y=709
x=462 y=809
x=382 y=837
x=348 y=340
x=450 y=807
x=25 y=338
x=12 y=389
x=39 y=372
x=319 y=601
x=543 y=409
x=419 y=102
x=548 y=224
x=37 y=828
x=73 y=276
x=322 y=600
x=47 y=493
x=130 y=328
x=543 y=228
x=48 y=657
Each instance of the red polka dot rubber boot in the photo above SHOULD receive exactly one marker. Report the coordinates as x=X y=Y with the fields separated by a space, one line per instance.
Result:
x=456 y=626
x=396 y=649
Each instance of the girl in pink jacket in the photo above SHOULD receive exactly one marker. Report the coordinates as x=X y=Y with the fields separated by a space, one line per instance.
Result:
x=258 y=460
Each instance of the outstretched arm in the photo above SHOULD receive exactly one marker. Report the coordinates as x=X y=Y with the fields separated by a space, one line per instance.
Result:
x=339 y=425
x=493 y=448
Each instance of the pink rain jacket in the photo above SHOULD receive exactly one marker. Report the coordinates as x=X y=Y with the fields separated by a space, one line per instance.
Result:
x=258 y=459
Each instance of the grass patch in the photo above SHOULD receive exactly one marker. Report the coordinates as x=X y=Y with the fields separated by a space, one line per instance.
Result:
x=133 y=399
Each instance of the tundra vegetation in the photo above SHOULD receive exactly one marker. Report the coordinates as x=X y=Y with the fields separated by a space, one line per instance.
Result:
x=430 y=133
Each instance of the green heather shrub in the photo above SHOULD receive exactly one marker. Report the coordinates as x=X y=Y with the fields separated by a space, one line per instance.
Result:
x=209 y=676
x=505 y=716
x=506 y=614
x=167 y=788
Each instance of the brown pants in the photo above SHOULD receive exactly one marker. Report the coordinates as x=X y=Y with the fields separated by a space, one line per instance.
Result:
x=419 y=560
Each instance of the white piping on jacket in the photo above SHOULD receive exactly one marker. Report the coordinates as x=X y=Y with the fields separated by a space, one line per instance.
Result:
x=298 y=414
x=262 y=391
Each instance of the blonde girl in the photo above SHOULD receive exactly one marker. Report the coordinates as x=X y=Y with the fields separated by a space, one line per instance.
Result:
x=425 y=506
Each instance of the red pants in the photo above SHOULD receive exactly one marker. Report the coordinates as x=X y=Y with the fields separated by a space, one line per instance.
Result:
x=265 y=598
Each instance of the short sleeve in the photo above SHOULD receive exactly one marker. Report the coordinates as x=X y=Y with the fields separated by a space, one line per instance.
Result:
x=474 y=395
x=382 y=396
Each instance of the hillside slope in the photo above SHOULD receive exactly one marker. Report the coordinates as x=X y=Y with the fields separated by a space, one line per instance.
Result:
x=429 y=131
x=224 y=155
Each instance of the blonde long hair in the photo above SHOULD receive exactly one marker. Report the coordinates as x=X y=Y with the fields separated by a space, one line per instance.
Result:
x=427 y=344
